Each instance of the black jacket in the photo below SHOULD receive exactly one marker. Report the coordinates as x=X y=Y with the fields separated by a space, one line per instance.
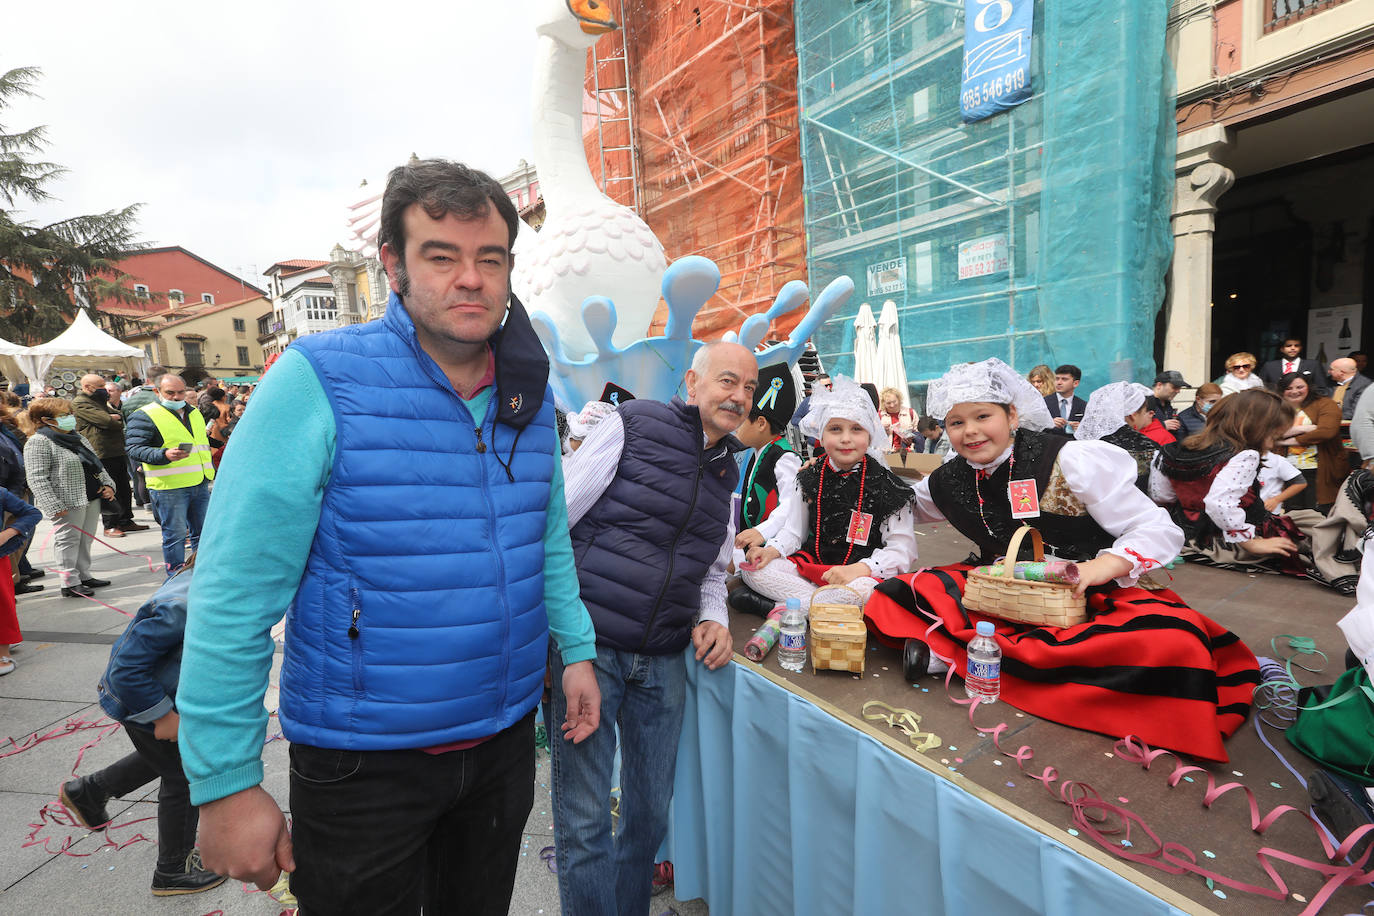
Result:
x=1076 y=407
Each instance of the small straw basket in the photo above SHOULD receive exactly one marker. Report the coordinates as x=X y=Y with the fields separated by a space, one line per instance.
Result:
x=1044 y=604
x=838 y=633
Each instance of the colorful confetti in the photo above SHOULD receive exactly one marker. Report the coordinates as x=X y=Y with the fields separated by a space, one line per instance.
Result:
x=958 y=759
x=1220 y=893
x=1237 y=773
x=1300 y=898
x=1126 y=843
x=1188 y=779
x=997 y=763
x=1123 y=799
x=1209 y=854
x=1072 y=832
x=1011 y=785
x=1276 y=785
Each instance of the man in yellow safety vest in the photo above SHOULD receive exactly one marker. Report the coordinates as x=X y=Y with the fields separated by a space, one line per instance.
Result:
x=168 y=437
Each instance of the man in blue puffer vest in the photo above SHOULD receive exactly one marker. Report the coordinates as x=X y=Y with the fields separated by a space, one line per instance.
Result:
x=413 y=529
x=649 y=495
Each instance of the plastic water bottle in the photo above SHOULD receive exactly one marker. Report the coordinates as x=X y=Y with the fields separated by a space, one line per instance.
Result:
x=792 y=642
x=984 y=680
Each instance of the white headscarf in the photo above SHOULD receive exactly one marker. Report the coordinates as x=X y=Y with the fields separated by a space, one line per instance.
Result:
x=848 y=401
x=593 y=412
x=990 y=381
x=1109 y=407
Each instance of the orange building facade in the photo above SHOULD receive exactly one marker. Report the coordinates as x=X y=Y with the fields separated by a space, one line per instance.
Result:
x=690 y=118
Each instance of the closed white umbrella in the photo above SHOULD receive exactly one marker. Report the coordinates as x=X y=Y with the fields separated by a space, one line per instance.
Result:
x=891 y=367
x=865 y=346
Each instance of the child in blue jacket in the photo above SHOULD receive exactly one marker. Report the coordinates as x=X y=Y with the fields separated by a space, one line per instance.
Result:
x=19 y=521
x=139 y=690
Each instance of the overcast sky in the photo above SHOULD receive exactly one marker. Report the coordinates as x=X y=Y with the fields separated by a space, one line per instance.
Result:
x=245 y=129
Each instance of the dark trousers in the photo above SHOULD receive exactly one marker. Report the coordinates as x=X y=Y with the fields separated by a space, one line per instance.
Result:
x=114 y=513
x=390 y=832
x=177 y=818
x=140 y=482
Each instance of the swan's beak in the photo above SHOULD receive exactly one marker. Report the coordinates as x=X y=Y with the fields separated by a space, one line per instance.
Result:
x=594 y=16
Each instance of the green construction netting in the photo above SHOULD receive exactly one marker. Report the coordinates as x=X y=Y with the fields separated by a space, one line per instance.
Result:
x=1066 y=263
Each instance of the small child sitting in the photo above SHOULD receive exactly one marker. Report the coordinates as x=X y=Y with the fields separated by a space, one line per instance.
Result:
x=1279 y=481
x=138 y=690
x=768 y=484
x=853 y=524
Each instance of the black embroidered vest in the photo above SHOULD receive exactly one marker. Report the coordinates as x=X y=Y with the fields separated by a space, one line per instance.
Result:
x=761 y=483
x=1141 y=448
x=884 y=496
x=955 y=489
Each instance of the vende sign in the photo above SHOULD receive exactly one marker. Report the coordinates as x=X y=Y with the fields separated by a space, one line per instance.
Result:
x=983 y=257
x=887 y=277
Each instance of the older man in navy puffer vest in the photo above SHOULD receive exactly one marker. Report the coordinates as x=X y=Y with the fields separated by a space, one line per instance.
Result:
x=413 y=528
x=649 y=500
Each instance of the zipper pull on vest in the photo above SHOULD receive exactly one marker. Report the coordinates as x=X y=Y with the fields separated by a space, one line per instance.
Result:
x=481 y=446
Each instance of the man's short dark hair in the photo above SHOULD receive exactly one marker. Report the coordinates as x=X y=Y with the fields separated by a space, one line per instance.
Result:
x=927 y=425
x=1068 y=369
x=441 y=188
x=1291 y=339
x=156 y=372
x=776 y=428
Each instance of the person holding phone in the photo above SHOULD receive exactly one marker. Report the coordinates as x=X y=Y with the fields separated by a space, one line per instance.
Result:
x=168 y=436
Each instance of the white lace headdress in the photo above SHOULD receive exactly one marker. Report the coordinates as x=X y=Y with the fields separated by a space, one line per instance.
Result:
x=848 y=401
x=1109 y=407
x=990 y=381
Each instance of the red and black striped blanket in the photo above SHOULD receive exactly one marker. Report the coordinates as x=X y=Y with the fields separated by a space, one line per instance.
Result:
x=1144 y=663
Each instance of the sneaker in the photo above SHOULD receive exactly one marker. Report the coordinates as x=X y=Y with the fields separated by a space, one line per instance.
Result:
x=86 y=802
x=27 y=588
x=192 y=879
x=95 y=583
x=76 y=591
x=6 y=665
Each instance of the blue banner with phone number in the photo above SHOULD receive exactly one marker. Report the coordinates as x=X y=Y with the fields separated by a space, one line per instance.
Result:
x=997 y=52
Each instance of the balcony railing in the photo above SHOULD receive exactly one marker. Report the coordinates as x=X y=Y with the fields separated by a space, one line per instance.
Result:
x=1279 y=13
x=194 y=360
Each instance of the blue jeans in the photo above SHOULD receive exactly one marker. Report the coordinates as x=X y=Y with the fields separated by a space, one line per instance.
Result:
x=644 y=695
x=180 y=512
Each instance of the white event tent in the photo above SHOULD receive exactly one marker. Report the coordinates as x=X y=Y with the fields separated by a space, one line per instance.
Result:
x=9 y=365
x=81 y=346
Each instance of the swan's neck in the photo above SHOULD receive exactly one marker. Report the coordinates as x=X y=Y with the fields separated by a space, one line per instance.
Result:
x=559 y=155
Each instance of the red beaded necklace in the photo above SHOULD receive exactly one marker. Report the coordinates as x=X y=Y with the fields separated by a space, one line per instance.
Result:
x=820 y=491
x=979 y=475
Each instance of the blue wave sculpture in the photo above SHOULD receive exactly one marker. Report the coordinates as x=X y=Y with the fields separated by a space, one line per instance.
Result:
x=653 y=367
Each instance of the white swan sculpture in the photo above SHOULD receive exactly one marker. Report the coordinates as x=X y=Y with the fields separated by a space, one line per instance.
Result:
x=589 y=245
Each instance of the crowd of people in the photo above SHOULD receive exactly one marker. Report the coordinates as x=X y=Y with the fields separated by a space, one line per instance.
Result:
x=449 y=551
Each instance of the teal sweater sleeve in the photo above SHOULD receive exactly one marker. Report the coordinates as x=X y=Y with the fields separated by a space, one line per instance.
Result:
x=243 y=586
x=257 y=535
x=569 y=622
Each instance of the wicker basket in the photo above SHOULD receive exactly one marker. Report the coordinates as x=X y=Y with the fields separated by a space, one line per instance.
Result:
x=1045 y=604
x=839 y=638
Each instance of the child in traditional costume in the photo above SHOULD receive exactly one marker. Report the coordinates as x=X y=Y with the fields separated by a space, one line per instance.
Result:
x=1144 y=663
x=1211 y=482
x=1116 y=414
x=769 y=481
x=852 y=524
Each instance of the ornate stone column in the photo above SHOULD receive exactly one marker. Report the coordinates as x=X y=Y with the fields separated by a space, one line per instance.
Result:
x=1201 y=181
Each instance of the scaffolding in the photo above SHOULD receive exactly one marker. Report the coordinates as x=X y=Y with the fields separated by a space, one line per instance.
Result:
x=1037 y=235
x=691 y=119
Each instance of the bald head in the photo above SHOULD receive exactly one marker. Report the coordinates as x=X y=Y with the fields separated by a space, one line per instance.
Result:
x=92 y=382
x=721 y=384
x=1343 y=369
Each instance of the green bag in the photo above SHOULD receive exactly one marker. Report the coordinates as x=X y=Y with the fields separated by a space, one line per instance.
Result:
x=1335 y=725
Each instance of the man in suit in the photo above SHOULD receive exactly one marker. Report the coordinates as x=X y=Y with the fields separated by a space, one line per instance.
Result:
x=1066 y=407
x=1291 y=361
x=1347 y=385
